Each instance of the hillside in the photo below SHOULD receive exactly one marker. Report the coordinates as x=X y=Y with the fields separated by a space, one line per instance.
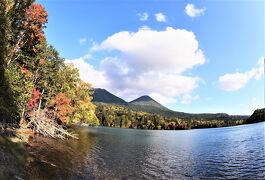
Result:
x=147 y=104
x=103 y=96
x=257 y=116
x=147 y=101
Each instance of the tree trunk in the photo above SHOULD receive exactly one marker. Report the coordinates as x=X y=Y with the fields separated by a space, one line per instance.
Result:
x=40 y=100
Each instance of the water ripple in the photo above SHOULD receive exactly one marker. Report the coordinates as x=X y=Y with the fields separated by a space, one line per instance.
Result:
x=109 y=153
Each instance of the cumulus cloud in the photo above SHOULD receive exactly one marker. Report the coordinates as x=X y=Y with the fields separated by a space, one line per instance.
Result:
x=172 y=50
x=164 y=99
x=236 y=81
x=88 y=73
x=193 y=12
x=82 y=40
x=146 y=62
x=160 y=17
x=143 y=16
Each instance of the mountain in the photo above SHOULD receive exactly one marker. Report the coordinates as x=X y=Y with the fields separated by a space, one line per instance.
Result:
x=147 y=104
x=103 y=96
x=147 y=101
x=257 y=116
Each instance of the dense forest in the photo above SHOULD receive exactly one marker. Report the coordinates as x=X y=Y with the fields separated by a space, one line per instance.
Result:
x=146 y=113
x=36 y=83
x=111 y=115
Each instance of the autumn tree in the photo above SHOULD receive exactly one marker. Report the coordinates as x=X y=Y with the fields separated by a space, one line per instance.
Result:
x=62 y=107
x=32 y=74
x=28 y=21
x=33 y=102
x=84 y=110
x=23 y=24
x=68 y=79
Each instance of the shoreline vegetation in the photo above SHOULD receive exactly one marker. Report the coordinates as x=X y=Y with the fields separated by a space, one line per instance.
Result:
x=39 y=91
x=40 y=94
x=124 y=117
x=146 y=113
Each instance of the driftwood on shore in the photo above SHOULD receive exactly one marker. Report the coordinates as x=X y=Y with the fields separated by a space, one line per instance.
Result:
x=45 y=126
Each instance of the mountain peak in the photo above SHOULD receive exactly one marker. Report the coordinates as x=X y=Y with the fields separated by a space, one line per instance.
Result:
x=146 y=101
x=144 y=98
x=104 y=96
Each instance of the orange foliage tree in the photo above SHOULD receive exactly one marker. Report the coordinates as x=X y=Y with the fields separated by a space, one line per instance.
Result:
x=62 y=107
x=28 y=35
x=36 y=19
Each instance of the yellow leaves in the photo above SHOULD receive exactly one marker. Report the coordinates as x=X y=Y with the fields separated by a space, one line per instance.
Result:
x=84 y=109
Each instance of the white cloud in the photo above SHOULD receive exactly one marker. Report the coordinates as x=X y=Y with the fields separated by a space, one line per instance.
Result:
x=172 y=50
x=143 y=16
x=160 y=17
x=194 y=12
x=163 y=99
x=187 y=98
x=148 y=62
x=82 y=40
x=89 y=74
x=236 y=81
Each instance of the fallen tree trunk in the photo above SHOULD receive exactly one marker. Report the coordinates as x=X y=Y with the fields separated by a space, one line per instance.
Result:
x=41 y=124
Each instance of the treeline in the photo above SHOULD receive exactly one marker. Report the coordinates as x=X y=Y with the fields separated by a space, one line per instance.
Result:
x=33 y=77
x=124 y=117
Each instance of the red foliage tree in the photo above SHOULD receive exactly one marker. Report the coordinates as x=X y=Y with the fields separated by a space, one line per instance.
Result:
x=62 y=106
x=33 y=101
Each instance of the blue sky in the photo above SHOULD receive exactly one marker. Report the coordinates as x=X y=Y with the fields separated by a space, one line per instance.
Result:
x=192 y=56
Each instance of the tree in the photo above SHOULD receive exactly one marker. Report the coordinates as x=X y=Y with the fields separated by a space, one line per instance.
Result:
x=20 y=85
x=67 y=80
x=8 y=108
x=33 y=75
x=33 y=102
x=50 y=66
x=22 y=26
x=84 y=110
x=62 y=107
x=28 y=21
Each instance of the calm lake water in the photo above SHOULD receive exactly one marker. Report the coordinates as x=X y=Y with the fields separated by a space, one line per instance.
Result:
x=112 y=153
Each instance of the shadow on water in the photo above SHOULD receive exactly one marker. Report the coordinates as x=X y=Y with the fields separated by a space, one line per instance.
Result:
x=59 y=159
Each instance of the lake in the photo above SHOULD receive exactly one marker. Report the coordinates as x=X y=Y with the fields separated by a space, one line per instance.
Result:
x=111 y=153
